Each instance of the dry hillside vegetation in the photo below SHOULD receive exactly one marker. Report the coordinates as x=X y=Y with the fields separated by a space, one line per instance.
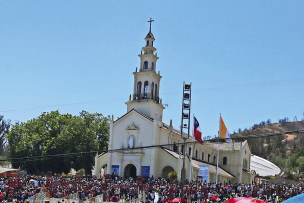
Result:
x=278 y=147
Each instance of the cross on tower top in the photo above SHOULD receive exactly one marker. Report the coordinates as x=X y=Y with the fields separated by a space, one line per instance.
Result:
x=150 y=21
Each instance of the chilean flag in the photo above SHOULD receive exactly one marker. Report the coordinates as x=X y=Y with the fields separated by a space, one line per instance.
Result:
x=197 y=131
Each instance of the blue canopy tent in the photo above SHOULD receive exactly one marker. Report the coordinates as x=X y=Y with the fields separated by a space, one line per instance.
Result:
x=295 y=199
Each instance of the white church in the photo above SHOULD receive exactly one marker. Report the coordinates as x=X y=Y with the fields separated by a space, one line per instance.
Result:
x=142 y=126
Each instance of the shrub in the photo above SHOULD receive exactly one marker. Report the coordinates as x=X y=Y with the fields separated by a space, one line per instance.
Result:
x=172 y=175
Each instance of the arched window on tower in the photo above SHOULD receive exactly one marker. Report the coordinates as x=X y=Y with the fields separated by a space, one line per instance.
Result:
x=208 y=157
x=148 y=43
x=196 y=154
x=152 y=66
x=146 y=88
x=152 y=90
x=138 y=89
x=214 y=159
x=146 y=65
x=225 y=161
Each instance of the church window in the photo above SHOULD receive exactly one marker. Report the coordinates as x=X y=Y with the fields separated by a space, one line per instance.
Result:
x=152 y=43
x=189 y=151
x=225 y=161
x=152 y=89
x=138 y=89
x=244 y=163
x=182 y=149
x=152 y=66
x=155 y=90
x=146 y=88
x=174 y=147
x=148 y=43
x=196 y=154
x=203 y=156
x=146 y=65
x=214 y=159
x=208 y=157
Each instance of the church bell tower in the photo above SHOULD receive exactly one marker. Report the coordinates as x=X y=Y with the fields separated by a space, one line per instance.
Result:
x=145 y=98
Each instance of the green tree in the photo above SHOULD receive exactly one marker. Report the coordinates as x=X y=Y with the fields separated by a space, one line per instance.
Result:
x=300 y=163
x=35 y=138
x=294 y=161
x=4 y=128
x=277 y=160
x=80 y=136
x=99 y=126
x=53 y=133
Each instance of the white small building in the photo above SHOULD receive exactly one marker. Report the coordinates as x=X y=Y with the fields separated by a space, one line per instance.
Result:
x=142 y=126
x=235 y=157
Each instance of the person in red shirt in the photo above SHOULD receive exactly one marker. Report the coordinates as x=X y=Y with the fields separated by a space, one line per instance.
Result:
x=1 y=196
x=187 y=190
x=10 y=197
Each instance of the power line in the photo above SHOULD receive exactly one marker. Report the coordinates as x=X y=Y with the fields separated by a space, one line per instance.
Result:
x=268 y=134
x=226 y=88
x=124 y=150
x=89 y=152
x=59 y=105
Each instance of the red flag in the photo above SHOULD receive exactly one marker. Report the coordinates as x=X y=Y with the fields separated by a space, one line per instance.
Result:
x=197 y=131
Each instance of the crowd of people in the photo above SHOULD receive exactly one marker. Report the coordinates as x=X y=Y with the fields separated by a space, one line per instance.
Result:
x=114 y=189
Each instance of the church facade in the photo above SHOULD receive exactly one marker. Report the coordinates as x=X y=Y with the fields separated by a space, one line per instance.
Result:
x=134 y=136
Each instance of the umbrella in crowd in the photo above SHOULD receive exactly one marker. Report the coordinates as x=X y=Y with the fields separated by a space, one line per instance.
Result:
x=178 y=199
x=295 y=199
x=244 y=200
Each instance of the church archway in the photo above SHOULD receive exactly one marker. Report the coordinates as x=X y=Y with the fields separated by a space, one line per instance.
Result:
x=166 y=170
x=130 y=171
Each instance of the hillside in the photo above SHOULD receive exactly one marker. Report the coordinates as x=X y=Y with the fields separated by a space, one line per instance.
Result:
x=274 y=148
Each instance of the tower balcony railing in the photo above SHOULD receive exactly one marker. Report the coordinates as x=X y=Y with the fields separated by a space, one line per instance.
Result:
x=146 y=97
x=147 y=69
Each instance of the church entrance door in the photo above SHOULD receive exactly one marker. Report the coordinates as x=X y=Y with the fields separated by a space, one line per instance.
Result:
x=130 y=171
x=166 y=170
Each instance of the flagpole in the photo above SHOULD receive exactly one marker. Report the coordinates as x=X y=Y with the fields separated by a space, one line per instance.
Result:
x=218 y=149
x=191 y=151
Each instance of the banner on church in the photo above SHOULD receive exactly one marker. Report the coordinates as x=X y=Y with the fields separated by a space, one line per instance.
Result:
x=204 y=172
x=145 y=171
x=115 y=170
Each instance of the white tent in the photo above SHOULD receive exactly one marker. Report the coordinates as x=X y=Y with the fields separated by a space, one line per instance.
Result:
x=263 y=167
x=3 y=170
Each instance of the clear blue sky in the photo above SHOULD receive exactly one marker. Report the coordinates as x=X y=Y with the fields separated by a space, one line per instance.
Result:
x=244 y=58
